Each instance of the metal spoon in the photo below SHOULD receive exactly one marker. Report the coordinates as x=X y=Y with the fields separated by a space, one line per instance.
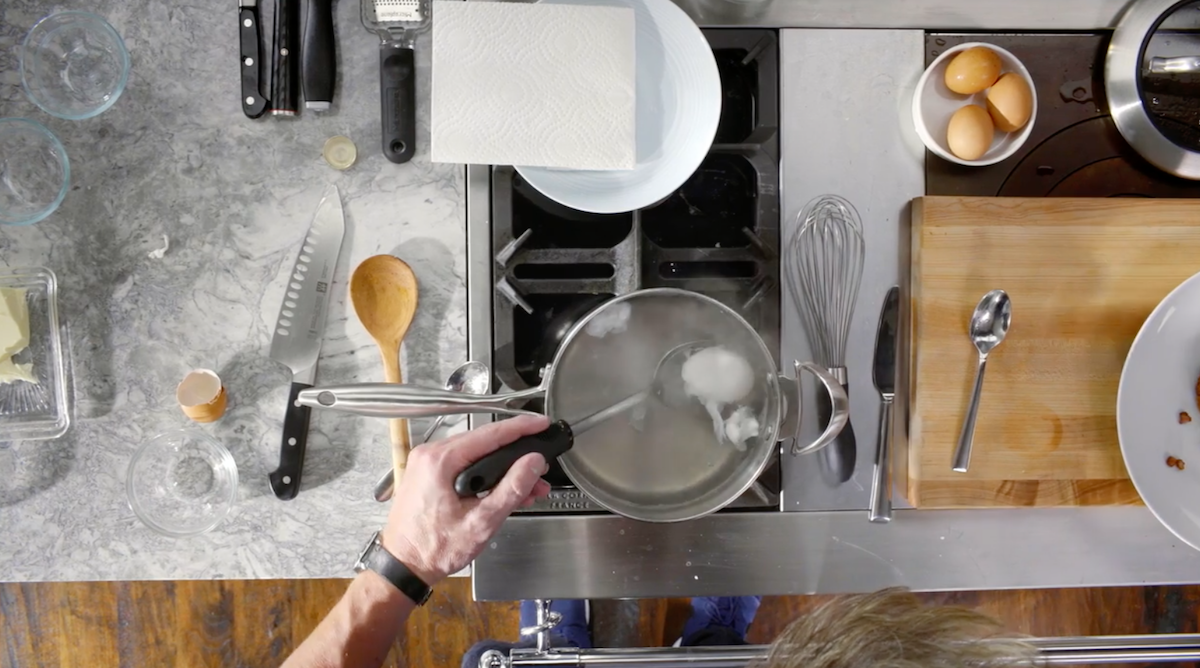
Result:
x=988 y=326
x=472 y=378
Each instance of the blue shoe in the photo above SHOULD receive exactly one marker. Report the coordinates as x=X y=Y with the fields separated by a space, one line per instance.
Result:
x=731 y=612
x=575 y=626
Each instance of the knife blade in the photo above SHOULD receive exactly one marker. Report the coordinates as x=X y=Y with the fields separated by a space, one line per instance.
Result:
x=254 y=103
x=884 y=374
x=296 y=342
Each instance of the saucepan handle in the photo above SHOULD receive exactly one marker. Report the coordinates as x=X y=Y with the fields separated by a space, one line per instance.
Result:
x=837 y=398
x=392 y=400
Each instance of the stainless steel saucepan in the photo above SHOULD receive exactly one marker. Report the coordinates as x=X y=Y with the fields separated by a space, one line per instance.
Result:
x=1152 y=81
x=649 y=459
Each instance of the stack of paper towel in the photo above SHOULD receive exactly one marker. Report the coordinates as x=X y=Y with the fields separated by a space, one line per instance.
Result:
x=547 y=85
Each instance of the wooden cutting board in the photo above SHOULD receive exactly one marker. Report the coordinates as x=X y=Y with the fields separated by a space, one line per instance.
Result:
x=1083 y=275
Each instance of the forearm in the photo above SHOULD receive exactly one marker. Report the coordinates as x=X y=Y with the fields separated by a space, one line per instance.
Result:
x=360 y=629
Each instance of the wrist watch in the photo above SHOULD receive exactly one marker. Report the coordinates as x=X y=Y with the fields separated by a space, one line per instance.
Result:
x=375 y=557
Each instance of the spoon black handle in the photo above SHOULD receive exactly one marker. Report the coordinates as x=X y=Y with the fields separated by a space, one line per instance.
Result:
x=487 y=472
x=837 y=460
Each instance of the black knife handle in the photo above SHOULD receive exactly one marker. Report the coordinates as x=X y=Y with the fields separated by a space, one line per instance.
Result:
x=285 y=69
x=253 y=101
x=398 y=101
x=320 y=64
x=837 y=460
x=285 y=480
x=487 y=472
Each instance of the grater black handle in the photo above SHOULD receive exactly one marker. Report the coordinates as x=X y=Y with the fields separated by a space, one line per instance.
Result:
x=397 y=90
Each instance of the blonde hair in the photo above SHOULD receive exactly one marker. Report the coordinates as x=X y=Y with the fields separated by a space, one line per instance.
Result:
x=893 y=629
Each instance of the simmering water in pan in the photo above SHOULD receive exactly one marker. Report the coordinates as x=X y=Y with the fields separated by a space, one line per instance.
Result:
x=656 y=458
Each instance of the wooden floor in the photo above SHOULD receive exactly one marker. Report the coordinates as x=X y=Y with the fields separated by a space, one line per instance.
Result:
x=257 y=623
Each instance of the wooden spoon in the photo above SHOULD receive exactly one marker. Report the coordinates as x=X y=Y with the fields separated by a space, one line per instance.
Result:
x=383 y=290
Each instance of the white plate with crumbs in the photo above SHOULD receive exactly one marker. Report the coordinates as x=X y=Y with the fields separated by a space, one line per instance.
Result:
x=1158 y=416
x=33 y=410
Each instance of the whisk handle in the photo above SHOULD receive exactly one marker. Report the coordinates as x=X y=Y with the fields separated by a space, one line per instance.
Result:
x=837 y=460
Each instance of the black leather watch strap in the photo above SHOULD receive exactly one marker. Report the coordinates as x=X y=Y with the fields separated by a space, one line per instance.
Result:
x=376 y=558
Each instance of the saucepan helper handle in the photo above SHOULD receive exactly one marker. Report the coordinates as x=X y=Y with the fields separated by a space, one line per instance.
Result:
x=838 y=400
x=487 y=472
x=392 y=400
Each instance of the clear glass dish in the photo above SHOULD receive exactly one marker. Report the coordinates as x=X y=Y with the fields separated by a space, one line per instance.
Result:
x=33 y=411
x=34 y=171
x=182 y=482
x=74 y=65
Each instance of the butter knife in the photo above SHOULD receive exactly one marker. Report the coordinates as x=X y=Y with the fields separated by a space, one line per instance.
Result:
x=884 y=374
x=299 y=330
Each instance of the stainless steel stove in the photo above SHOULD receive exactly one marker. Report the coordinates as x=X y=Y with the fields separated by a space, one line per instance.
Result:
x=540 y=266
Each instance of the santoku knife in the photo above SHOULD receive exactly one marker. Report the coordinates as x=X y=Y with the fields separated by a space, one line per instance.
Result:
x=299 y=329
x=885 y=381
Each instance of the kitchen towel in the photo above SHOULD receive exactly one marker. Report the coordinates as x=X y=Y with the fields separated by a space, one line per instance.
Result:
x=541 y=84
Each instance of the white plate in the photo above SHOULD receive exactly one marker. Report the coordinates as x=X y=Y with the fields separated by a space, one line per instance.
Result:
x=1159 y=381
x=678 y=107
x=934 y=104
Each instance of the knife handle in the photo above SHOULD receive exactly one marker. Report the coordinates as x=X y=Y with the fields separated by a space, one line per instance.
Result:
x=880 y=510
x=838 y=460
x=398 y=106
x=285 y=480
x=285 y=72
x=253 y=101
x=319 y=60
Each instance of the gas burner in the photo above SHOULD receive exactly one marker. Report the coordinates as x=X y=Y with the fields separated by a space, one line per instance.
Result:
x=718 y=235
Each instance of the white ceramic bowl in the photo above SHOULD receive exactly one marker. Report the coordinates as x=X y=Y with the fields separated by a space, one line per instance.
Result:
x=934 y=104
x=1159 y=381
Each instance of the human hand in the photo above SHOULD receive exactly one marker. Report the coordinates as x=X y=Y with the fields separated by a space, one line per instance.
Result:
x=434 y=532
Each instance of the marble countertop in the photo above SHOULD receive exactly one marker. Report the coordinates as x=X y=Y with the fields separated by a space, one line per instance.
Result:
x=176 y=157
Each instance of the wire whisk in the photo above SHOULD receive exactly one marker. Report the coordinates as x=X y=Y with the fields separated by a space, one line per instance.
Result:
x=823 y=262
x=824 y=265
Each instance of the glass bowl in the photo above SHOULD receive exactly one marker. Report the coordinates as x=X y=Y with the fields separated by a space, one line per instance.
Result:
x=34 y=171
x=36 y=411
x=74 y=65
x=181 y=483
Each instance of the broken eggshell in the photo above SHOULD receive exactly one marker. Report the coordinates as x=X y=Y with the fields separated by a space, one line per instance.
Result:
x=201 y=395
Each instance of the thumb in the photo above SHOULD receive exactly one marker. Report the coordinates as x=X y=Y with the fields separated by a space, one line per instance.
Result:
x=513 y=489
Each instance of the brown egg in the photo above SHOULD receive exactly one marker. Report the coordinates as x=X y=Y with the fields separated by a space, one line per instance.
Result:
x=973 y=70
x=1010 y=102
x=970 y=132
